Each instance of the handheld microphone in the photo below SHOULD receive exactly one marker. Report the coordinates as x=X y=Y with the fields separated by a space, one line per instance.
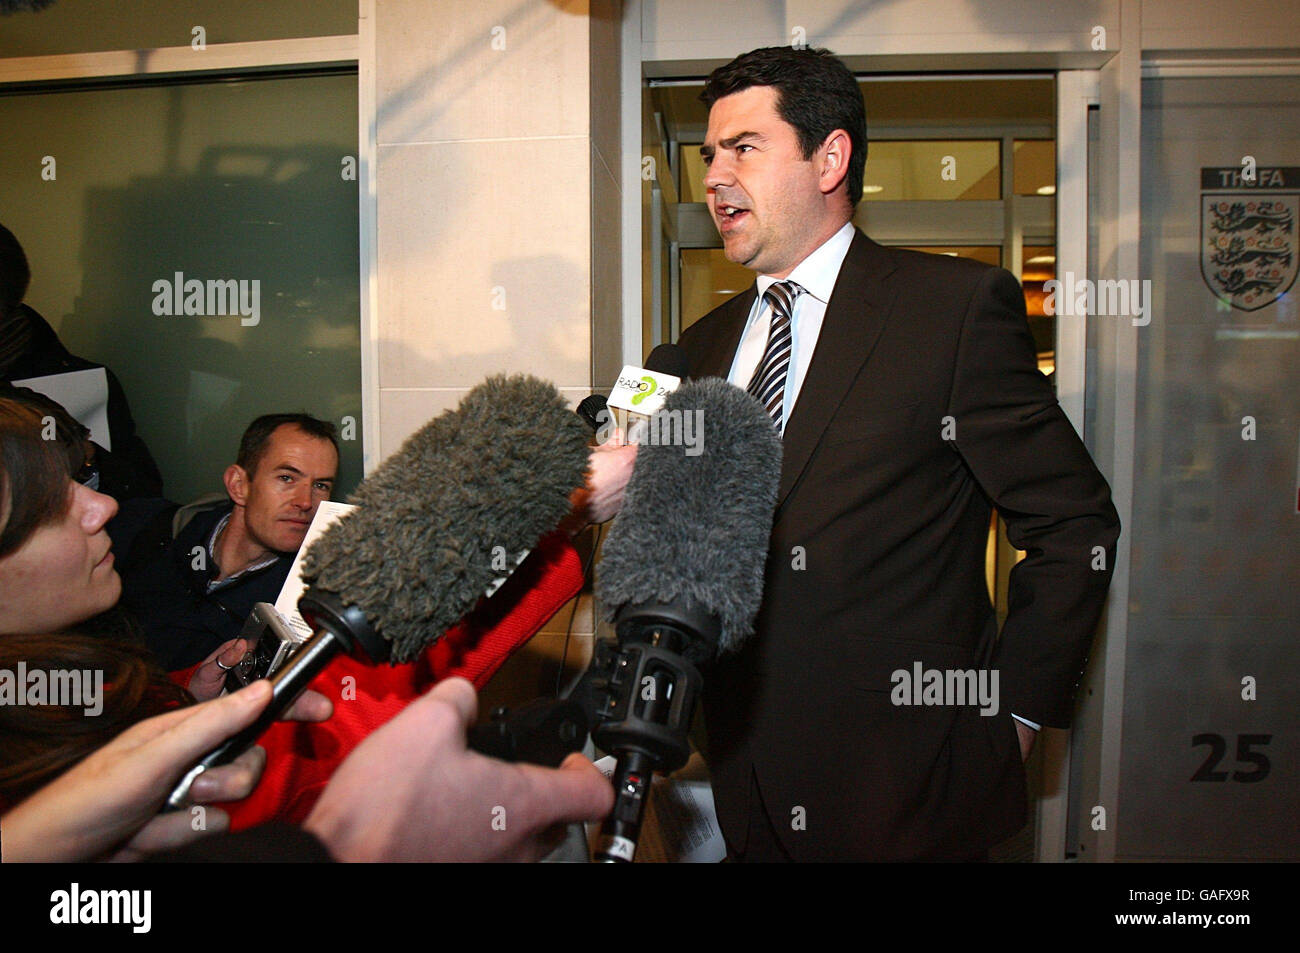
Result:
x=681 y=578
x=432 y=524
x=639 y=391
x=593 y=410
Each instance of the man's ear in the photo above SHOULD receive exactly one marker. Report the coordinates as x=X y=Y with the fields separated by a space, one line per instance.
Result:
x=236 y=480
x=835 y=154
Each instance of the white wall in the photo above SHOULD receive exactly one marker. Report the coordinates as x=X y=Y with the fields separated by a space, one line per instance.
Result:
x=687 y=36
x=1212 y=26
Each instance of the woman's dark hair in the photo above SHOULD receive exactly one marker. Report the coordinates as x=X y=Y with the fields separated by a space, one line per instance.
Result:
x=815 y=93
x=41 y=447
x=39 y=453
x=40 y=742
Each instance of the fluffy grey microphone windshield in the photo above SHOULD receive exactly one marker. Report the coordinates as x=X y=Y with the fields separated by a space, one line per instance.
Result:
x=696 y=518
x=472 y=488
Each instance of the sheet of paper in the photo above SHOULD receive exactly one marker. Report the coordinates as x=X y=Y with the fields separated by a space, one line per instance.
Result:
x=287 y=602
x=681 y=822
x=83 y=394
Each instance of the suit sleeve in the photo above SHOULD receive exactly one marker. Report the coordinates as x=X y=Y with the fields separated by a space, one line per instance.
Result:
x=1025 y=454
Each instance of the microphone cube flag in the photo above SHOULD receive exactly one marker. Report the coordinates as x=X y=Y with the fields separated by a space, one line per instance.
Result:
x=697 y=513
x=475 y=485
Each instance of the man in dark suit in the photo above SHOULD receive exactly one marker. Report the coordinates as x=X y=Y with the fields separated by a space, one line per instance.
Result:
x=910 y=402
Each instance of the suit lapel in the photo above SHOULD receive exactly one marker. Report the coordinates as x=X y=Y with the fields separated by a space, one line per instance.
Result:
x=719 y=353
x=855 y=316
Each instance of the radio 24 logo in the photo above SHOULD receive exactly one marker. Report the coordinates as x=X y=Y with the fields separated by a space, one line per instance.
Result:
x=644 y=386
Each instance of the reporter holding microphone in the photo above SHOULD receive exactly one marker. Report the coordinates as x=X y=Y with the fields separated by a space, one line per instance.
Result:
x=53 y=573
x=439 y=801
x=409 y=792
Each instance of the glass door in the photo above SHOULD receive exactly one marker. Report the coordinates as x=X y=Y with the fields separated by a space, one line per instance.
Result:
x=1208 y=766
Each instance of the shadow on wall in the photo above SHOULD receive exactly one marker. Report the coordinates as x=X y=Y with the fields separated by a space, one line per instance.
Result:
x=290 y=338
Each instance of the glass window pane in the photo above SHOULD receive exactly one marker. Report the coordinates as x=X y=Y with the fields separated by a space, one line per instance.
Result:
x=989 y=254
x=896 y=170
x=1215 y=533
x=937 y=169
x=1039 y=268
x=212 y=182
x=692 y=180
x=708 y=280
x=1034 y=167
x=85 y=26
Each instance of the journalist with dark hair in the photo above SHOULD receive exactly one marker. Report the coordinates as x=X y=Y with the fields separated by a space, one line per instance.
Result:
x=191 y=586
x=29 y=349
x=906 y=390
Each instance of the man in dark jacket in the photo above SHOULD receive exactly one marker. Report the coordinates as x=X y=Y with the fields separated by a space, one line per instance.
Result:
x=909 y=402
x=192 y=590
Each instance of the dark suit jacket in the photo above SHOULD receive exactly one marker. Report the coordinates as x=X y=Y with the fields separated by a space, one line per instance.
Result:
x=877 y=562
x=129 y=471
x=166 y=593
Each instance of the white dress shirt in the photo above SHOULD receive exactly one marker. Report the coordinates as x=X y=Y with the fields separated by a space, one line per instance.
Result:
x=816 y=274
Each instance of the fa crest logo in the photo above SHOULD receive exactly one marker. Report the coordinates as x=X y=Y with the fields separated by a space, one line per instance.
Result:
x=1248 y=235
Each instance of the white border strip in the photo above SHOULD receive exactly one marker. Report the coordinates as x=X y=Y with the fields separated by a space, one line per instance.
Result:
x=630 y=133
x=1076 y=90
x=1118 y=256
x=1185 y=68
x=218 y=57
x=368 y=213
x=927 y=77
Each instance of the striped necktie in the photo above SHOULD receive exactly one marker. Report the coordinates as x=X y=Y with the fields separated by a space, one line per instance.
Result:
x=768 y=383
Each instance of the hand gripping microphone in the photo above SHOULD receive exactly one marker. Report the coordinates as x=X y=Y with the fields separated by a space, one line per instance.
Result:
x=491 y=477
x=681 y=577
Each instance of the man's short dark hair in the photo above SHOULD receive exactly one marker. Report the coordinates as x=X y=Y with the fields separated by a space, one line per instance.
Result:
x=252 y=445
x=815 y=93
x=15 y=275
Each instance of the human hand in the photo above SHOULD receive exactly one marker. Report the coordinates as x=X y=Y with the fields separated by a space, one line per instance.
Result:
x=105 y=806
x=1027 y=736
x=608 y=470
x=228 y=782
x=210 y=678
x=439 y=801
